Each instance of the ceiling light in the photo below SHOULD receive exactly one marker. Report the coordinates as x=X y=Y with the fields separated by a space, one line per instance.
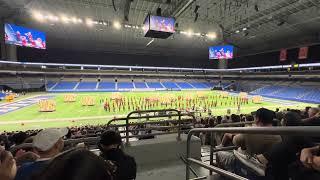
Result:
x=212 y=35
x=89 y=22
x=244 y=29
x=117 y=25
x=74 y=20
x=38 y=16
x=189 y=33
x=237 y=31
x=79 y=20
x=64 y=19
x=53 y=18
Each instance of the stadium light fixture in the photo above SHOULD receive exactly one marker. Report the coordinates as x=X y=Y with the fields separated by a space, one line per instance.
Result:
x=212 y=35
x=74 y=20
x=64 y=19
x=189 y=33
x=38 y=16
x=117 y=25
x=89 y=22
x=53 y=18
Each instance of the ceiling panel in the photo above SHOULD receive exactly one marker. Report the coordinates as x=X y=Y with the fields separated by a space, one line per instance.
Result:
x=265 y=21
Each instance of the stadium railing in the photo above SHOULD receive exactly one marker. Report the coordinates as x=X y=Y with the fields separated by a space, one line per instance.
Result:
x=147 y=115
x=303 y=131
x=176 y=127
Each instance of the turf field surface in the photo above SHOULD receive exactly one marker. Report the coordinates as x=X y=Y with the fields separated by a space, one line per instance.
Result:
x=75 y=114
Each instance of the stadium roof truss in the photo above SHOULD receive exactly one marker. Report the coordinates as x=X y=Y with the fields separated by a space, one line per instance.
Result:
x=251 y=25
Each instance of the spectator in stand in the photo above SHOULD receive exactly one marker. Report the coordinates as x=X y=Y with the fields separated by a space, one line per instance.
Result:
x=313 y=117
x=47 y=144
x=79 y=164
x=18 y=138
x=110 y=147
x=219 y=119
x=235 y=118
x=226 y=120
x=250 y=144
x=310 y=158
x=8 y=168
x=275 y=161
x=305 y=112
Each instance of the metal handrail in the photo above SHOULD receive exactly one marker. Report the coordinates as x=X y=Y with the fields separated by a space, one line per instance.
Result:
x=234 y=124
x=291 y=131
x=178 y=114
x=148 y=122
x=213 y=150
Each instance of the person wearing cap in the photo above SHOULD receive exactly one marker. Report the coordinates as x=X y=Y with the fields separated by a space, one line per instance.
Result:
x=110 y=147
x=47 y=144
x=250 y=144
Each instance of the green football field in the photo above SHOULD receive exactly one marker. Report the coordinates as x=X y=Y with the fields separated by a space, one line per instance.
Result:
x=75 y=114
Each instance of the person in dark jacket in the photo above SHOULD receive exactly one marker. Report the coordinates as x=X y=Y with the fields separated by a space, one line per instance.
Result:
x=110 y=147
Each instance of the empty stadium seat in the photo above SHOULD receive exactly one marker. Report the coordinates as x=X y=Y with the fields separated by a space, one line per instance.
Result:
x=2 y=95
x=305 y=94
x=50 y=85
x=155 y=85
x=65 y=85
x=141 y=85
x=199 y=85
x=125 y=85
x=184 y=85
x=170 y=85
x=107 y=86
x=87 y=86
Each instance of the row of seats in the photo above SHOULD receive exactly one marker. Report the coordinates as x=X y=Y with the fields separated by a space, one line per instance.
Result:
x=307 y=94
x=2 y=95
x=112 y=86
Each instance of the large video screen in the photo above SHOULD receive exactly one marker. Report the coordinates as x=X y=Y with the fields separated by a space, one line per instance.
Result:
x=221 y=52
x=163 y=24
x=22 y=36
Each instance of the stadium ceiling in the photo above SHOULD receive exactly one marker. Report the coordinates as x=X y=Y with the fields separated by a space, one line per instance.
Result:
x=251 y=25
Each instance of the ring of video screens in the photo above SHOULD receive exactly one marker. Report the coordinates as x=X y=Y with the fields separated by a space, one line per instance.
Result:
x=21 y=36
x=221 y=52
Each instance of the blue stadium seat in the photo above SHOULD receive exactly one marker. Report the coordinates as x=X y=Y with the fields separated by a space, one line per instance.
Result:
x=140 y=85
x=65 y=85
x=87 y=86
x=305 y=94
x=210 y=84
x=155 y=85
x=2 y=95
x=170 y=85
x=125 y=85
x=50 y=85
x=184 y=85
x=199 y=85
x=107 y=86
